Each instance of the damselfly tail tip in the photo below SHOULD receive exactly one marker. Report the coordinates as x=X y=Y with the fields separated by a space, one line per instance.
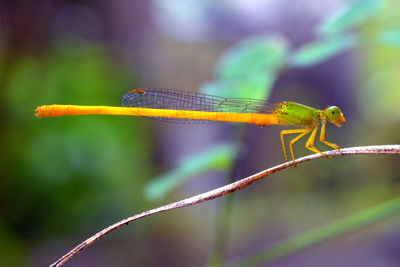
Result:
x=41 y=111
x=37 y=111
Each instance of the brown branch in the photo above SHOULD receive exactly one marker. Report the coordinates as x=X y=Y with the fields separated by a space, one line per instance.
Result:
x=221 y=191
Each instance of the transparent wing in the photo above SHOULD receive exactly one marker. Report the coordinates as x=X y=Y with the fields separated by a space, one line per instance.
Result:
x=183 y=100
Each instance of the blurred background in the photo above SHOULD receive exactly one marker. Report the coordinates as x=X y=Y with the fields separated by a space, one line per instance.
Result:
x=65 y=178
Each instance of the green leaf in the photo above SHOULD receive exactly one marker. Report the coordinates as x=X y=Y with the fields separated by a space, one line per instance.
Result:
x=254 y=55
x=249 y=68
x=218 y=157
x=316 y=52
x=349 y=16
x=391 y=36
x=257 y=85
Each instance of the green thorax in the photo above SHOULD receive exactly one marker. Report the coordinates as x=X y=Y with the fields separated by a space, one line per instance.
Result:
x=297 y=114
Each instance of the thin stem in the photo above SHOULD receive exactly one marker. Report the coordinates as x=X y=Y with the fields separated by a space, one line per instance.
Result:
x=224 y=190
x=223 y=220
x=321 y=234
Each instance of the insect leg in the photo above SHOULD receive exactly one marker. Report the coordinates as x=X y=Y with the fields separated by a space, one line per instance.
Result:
x=302 y=132
x=311 y=140
x=322 y=138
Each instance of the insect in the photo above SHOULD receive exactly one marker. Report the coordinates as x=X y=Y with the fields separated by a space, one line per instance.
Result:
x=188 y=107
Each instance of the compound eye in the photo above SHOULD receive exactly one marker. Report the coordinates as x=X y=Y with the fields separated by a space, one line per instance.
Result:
x=333 y=113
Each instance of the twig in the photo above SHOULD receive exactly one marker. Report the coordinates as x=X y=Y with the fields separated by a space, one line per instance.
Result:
x=221 y=191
